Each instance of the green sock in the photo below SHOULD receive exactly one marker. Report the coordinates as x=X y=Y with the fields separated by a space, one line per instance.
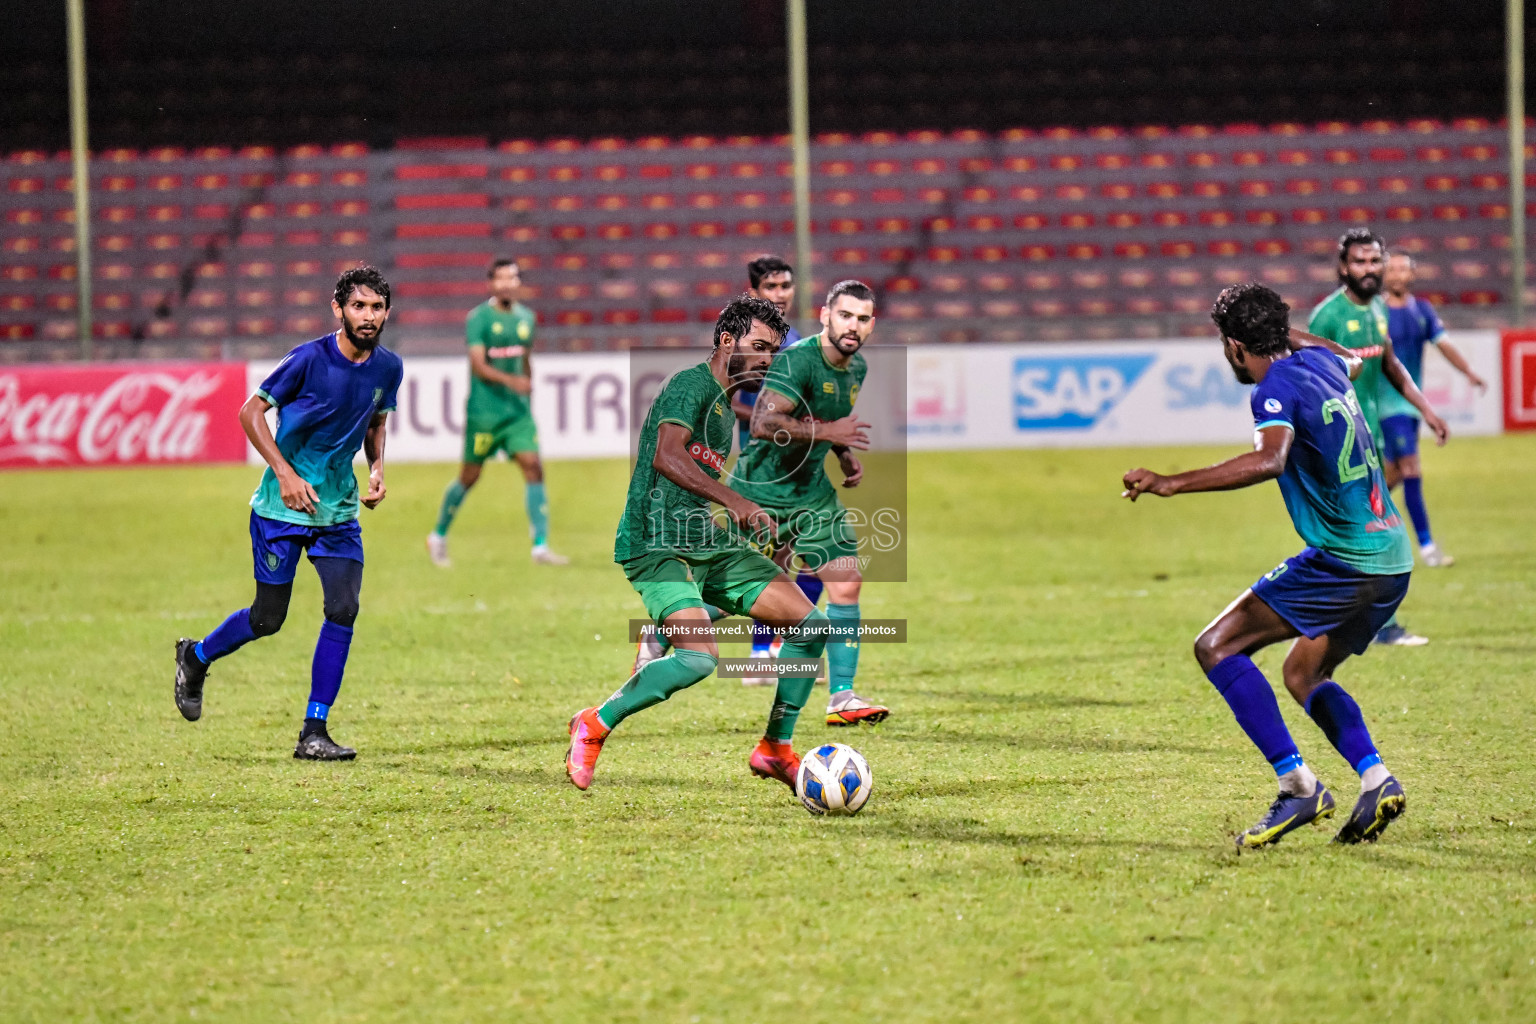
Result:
x=655 y=683
x=809 y=640
x=538 y=513
x=452 y=499
x=842 y=646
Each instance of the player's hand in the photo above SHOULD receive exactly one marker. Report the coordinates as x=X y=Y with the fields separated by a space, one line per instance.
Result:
x=376 y=490
x=853 y=469
x=522 y=385
x=847 y=432
x=753 y=520
x=1438 y=426
x=1477 y=382
x=296 y=492
x=1143 y=481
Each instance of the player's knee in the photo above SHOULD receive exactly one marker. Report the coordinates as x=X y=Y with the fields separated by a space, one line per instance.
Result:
x=469 y=476
x=699 y=663
x=813 y=631
x=342 y=609
x=1208 y=649
x=268 y=613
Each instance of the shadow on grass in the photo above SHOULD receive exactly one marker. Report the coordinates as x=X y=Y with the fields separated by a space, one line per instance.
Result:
x=1069 y=745
x=1028 y=701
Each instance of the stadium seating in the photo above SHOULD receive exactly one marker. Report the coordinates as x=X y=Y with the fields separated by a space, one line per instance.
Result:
x=1013 y=234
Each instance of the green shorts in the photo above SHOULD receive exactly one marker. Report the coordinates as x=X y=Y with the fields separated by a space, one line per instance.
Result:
x=483 y=440
x=818 y=530
x=730 y=578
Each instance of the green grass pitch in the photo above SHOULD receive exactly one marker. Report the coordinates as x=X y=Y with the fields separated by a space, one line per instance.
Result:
x=1049 y=835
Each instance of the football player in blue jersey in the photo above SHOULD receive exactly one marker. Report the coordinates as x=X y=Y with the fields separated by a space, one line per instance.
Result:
x=1333 y=596
x=332 y=396
x=1412 y=323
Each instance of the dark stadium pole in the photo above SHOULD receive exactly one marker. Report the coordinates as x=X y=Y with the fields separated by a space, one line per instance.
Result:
x=1515 y=41
x=800 y=140
x=82 y=170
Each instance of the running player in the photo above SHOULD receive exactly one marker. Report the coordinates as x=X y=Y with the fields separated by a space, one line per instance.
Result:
x=499 y=414
x=805 y=410
x=1412 y=323
x=1333 y=596
x=677 y=559
x=1355 y=316
x=771 y=278
x=332 y=395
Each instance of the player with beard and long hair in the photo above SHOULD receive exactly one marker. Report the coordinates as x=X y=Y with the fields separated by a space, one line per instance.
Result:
x=804 y=411
x=332 y=395
x=678 y=560
x=1356 y=316
x=1330 y=600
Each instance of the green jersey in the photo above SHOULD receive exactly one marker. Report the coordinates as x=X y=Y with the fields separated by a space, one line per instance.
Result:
x=1339 y=320
x=794 y=475
x=659 y=515
x=507 y=336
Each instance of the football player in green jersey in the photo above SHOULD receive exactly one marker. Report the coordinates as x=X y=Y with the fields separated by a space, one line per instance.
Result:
x=677 y=559
x=804 y=411
x=1355 y=316
x=499 y=414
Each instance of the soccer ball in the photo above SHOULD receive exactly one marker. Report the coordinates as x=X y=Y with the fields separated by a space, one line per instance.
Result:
x=833 y=779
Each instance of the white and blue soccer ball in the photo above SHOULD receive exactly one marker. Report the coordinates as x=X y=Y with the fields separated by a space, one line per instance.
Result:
x=834 y=779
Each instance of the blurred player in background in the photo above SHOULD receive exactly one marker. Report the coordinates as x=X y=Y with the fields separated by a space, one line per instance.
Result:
x=1412 y=323
x=805 y=410
x=772 y=278
x=332 y=395
x=1355 y=316
x=1332 y=597
x=677 y=559
x=499 y=414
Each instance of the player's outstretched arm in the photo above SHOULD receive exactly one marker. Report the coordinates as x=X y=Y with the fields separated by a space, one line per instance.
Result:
x=1301 y=339
x=1267 y=461
x=1395 y=372
x=481 y=367
x=373 y=450
x=1455 y=358
x=673 y=462
x=774 y=419
x=296 y=491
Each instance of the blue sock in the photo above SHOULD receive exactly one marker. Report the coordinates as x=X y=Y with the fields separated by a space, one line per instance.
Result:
x=762 y=638
x=811 y=586
x=1413 y=497
x=330 y=662
x=1337 y=714
x=227 y=637
x=317 y=711
x=1253 y=704
x=538 y=513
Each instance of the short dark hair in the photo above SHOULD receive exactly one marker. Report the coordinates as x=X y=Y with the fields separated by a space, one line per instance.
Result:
x=361 y=277
x=765 y=265
x=1254 y=315
x=858 y=289
x=1359 y=236
x=498 y=263
x=736 y=318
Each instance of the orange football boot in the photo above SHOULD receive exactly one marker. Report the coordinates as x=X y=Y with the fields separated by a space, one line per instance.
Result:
x=587 y=735
x=771 y=760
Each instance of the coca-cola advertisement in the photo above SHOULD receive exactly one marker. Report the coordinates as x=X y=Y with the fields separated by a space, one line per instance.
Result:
x=123 y=414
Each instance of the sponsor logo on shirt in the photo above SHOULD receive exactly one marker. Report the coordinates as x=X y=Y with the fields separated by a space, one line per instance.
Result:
x=1271 y=405
x=505 y=351
x=828 y=387
x=711 y=458
x=1071 y=392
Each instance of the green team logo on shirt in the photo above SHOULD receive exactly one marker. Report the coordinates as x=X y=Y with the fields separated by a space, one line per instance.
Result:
x=495 y=328
x=523 y=330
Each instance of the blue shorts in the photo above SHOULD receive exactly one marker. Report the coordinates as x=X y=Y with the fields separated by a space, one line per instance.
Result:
x=1317 y=593
x=276 y=545
x=1400 y=437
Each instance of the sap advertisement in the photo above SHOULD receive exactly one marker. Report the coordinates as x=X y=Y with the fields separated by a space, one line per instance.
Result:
x=971 y=396
x=1130 y=393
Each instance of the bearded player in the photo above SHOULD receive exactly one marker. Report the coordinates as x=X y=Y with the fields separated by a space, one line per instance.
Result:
x=805 y=410
x=1355 y=316
x=332 y=395
x=1311 y=435
x=499 y=414
x=678 y=560
x=1412 y=323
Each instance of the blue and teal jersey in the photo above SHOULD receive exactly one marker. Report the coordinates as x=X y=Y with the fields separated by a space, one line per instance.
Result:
x=1333 y=485
x=1411 y=326
x=325 y=403
x=750 y=397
